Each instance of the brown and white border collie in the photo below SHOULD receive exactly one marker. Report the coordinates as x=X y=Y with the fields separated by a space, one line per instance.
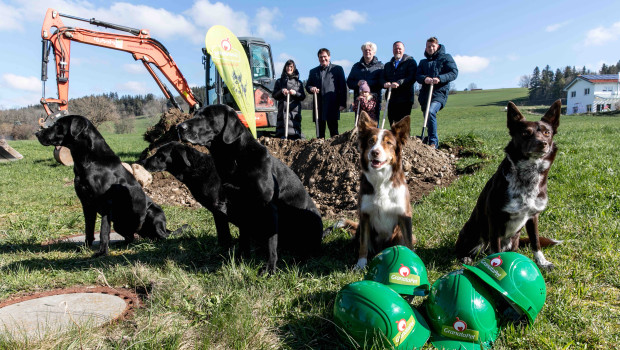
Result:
x=517 y=192
x=384 y=206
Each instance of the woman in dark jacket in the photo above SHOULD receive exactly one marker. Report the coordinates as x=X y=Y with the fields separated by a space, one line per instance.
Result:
x=289 y=84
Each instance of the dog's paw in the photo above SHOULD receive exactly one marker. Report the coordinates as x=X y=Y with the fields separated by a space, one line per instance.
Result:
x=467 y=260
x=100 y=253
x=543 y=263
x=267 y=270
x=361 y=264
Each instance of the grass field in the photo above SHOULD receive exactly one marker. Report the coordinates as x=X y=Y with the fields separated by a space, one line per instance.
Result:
x=198 y=296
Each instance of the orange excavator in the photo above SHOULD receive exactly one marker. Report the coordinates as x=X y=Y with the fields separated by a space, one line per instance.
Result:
x=55 y=35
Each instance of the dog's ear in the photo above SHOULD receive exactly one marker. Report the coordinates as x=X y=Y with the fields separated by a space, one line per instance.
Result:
x=401 y=129
x=553 y=115
x=514 y=116
x=78 y=125
x=233 y=128
x=365 y=122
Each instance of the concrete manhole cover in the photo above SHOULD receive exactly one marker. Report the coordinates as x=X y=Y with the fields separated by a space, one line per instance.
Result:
x=37 y=315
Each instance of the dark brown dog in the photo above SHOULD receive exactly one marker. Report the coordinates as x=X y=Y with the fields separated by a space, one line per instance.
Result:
x=517 y=192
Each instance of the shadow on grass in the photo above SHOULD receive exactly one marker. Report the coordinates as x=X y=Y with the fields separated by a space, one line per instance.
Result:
x=189 y=252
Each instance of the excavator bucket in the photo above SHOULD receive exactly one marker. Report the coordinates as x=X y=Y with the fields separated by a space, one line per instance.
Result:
x=7 y=152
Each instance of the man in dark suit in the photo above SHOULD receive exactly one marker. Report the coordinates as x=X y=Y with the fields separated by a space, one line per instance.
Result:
x=399 y=74
x=327 y=81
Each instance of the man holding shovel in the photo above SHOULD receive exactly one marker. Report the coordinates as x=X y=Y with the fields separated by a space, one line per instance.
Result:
x=435 y=72
x=399 y=76
x=329 y=87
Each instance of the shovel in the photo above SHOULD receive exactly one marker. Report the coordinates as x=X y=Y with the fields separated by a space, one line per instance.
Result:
x=288 y=96
x=387 y=102
x=428 y=106
x=357 y=115
x=316 y=113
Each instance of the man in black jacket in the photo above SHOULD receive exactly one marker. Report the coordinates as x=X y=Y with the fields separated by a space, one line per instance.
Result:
x=399 y=74
x=370 y=70
x=437 y=69
x=327 y=80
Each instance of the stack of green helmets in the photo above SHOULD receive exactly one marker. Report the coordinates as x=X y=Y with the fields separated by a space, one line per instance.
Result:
x=516 y=278
x=401 y=269
x=461 y=313
x=373 y=314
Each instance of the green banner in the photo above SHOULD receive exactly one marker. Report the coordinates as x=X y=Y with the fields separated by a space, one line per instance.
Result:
x=232 y=64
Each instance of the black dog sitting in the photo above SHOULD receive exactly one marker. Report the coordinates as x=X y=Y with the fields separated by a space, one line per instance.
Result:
x=264 y=196
x=103 y=185
x=197 y=171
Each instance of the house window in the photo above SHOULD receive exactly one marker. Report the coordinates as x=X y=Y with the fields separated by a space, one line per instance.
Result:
x=588 y=108
x=608 y=88
x=575 y=109
x=573 y=94
x=599 y=108
x=586 y=91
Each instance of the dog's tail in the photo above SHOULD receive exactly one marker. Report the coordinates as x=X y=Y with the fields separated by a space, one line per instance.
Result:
x=346 y=224
x=544 y=242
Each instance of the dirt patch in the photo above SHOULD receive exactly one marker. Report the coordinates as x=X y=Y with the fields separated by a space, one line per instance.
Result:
x=329 y=169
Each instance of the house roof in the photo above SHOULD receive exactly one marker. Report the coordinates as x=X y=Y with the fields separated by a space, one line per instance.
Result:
x=595 y=79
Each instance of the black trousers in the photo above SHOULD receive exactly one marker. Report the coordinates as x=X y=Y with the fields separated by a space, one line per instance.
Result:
x=398 y=110
x=331 y=124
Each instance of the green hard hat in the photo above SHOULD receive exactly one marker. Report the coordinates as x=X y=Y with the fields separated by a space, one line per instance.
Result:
x=401 y=269
x=517 y=278
x=370 y=312
x=461 y=313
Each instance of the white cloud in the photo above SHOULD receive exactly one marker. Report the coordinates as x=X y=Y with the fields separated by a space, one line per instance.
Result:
x=308 y=25
x=347 y=19
x=21 y=83
x=11 y=18
x=471 y=64
x=205 y=15
x=264 y=26
x=601 y=35
x=134 y=68
x=345 y=64
x=512 y=57
x=556 y=26
x=136 y=87
x=161 y=23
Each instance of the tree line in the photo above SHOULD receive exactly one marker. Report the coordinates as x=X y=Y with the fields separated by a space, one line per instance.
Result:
x=546 y=86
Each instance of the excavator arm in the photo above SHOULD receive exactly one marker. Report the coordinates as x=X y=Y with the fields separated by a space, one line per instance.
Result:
x=58 y=37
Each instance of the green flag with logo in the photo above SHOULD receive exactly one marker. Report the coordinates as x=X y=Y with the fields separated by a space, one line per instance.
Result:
x=232 y=64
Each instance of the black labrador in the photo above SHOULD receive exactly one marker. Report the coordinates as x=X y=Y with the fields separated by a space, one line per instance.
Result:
x=264 y=196
x=197 y=171
x=103 y=185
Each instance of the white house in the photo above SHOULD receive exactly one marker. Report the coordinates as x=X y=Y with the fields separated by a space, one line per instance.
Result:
x=593 y=93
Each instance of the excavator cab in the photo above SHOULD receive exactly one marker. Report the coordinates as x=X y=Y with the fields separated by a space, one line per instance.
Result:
x=263 y=76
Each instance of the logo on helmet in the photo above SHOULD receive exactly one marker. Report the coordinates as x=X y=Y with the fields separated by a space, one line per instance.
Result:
x=497 y=261
x=459 y=325
x=404 y=270
x=404 y=329
x=402 y=325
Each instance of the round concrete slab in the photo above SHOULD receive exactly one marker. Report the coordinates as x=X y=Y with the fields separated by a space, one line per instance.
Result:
x=38 y=315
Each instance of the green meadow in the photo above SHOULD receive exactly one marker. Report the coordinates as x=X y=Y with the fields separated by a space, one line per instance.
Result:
x=196 y=295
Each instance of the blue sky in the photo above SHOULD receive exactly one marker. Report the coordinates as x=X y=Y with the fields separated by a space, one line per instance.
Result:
x=493 y=42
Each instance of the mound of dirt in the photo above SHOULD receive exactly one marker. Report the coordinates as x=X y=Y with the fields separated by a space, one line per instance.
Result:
x=164 y=131
x=329 y=169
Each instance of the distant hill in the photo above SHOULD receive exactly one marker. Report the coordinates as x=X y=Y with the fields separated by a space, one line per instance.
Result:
x=495 y=97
